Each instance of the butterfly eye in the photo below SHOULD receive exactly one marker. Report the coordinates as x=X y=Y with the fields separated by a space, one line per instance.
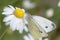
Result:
x=46 y=27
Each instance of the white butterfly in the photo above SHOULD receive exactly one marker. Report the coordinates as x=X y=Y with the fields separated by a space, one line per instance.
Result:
x=39 y=26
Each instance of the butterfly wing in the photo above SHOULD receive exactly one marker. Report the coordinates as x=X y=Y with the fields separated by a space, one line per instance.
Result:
x=44 y=23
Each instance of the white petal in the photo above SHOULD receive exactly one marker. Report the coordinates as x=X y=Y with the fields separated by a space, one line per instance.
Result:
x=13 y=24
x=23 y=10
x=7 y=13
x=26 y=38
x=7 y=23
x=46 y=39
x=8 y=18
x=25 y=21
x=11 y=7
x=17 y=24
x=25 y=18
x=20 y=26
x=30 y=36
x=7 y=9
x=25 y=28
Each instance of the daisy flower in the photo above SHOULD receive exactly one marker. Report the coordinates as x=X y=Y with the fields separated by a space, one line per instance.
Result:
x=16 y=18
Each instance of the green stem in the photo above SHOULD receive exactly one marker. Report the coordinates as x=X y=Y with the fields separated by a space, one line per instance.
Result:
x=3 y=34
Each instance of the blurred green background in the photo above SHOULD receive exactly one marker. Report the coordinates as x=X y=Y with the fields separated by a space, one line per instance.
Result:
x=40 y=8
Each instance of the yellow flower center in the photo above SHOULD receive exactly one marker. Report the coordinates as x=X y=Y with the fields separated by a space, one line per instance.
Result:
x=19 y=13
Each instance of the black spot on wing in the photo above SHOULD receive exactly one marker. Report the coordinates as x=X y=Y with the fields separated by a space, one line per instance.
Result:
x=53 y=25
x=46 y=27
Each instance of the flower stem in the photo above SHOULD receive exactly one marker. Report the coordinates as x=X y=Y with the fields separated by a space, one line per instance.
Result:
x=3 y=34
